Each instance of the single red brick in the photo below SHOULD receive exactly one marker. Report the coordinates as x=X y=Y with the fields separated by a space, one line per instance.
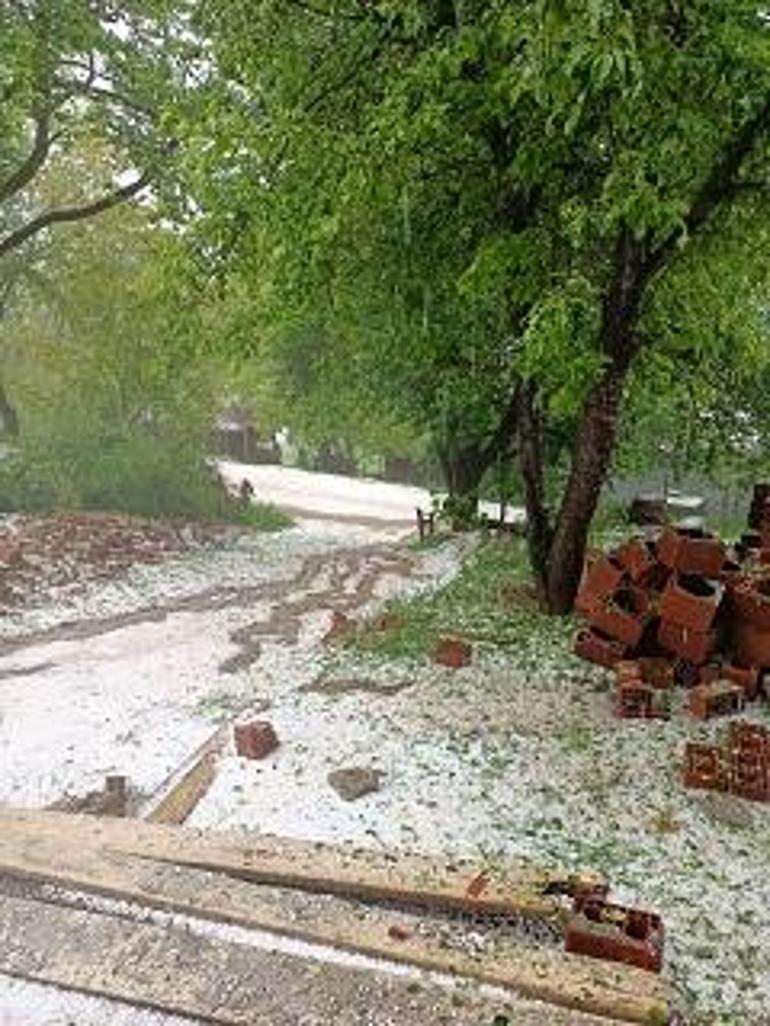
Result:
x=452 y=652
x=618 y=623
x=719 y=698
x=637 y=700
x=601 y=578
x=705 y=767
x=749 y=737
x=636 y=557
x=596 y=647
x=691 y=552
x=691 y=602
x=255 y=740
x=616 y=933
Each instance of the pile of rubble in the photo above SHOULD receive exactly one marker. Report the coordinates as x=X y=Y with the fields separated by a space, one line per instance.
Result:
x=58 y=554
x=681 y=607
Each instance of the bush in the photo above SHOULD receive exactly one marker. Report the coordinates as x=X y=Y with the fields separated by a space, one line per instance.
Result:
x=139 y=472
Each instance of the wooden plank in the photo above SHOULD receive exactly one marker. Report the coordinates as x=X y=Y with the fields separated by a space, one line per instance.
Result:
x=613 y=991
x=178 y=796
x=372 y=875
x=180 y=972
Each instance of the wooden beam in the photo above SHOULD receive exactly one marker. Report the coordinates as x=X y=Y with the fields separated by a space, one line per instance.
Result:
x=178 y=796
x=54 y=855
x=356 y=872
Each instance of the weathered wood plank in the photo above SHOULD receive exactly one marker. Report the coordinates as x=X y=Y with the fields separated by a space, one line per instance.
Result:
x=373 y=875
x=613 y=991
x=179 y=795
x=215 y=980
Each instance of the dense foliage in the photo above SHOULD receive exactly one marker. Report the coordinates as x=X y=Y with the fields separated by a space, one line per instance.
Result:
x=486 y=216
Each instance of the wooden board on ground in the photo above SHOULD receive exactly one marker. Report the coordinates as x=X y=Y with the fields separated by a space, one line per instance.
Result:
x=52 y=853
x=373 y=875
x=178 y=971
x=179 y=795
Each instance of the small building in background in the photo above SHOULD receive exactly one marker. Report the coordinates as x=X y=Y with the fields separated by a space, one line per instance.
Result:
x=236 y=437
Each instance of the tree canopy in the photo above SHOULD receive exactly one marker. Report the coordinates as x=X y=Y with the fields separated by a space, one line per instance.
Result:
x=512 y=204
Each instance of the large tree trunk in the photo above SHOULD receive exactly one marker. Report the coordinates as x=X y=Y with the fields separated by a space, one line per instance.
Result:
x=9 y=420
x=591 y=460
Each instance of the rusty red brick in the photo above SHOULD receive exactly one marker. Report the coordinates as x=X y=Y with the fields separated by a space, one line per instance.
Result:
x=452 y=652
x=597 y=648
x=691 y=602
x=747 y=677
x=691 y=552
x=705 y=767
x=616 y=933
x=255 y=740
x=751 y=737
x=719 y=698
x=750 y=776
x=695 y=647
x=618 y=623
x=635 y=700
x=637 y=558
x=602 y=576
x=751 y=644
x=750 y=602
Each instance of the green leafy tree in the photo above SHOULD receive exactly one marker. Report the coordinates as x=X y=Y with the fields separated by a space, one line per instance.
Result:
x=74 y=73
x=568 y=174
x=111 y=362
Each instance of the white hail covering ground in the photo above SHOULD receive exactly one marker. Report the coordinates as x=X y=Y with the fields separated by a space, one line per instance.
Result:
x=517 y=754
x=336 y=495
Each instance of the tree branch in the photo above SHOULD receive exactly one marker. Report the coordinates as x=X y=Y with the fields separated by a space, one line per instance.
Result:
x=62 y=215
x=32 y=163
x=720 y=186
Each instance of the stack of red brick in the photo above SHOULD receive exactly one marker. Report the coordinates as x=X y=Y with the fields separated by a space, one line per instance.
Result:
x=682 y=608
x=741 y=766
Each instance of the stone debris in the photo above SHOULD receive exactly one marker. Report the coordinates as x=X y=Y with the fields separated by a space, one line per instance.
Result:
x=355 y=781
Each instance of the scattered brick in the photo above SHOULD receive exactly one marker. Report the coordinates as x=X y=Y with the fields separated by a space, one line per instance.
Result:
x=705 y=767
x=741 y=766
x=452 y=652
x=691 y=552
x=597 y=648
x=718 y=698
x=255 y=740
x=616 y=933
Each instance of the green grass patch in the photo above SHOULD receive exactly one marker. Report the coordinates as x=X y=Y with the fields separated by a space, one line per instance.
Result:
x=491 y=601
